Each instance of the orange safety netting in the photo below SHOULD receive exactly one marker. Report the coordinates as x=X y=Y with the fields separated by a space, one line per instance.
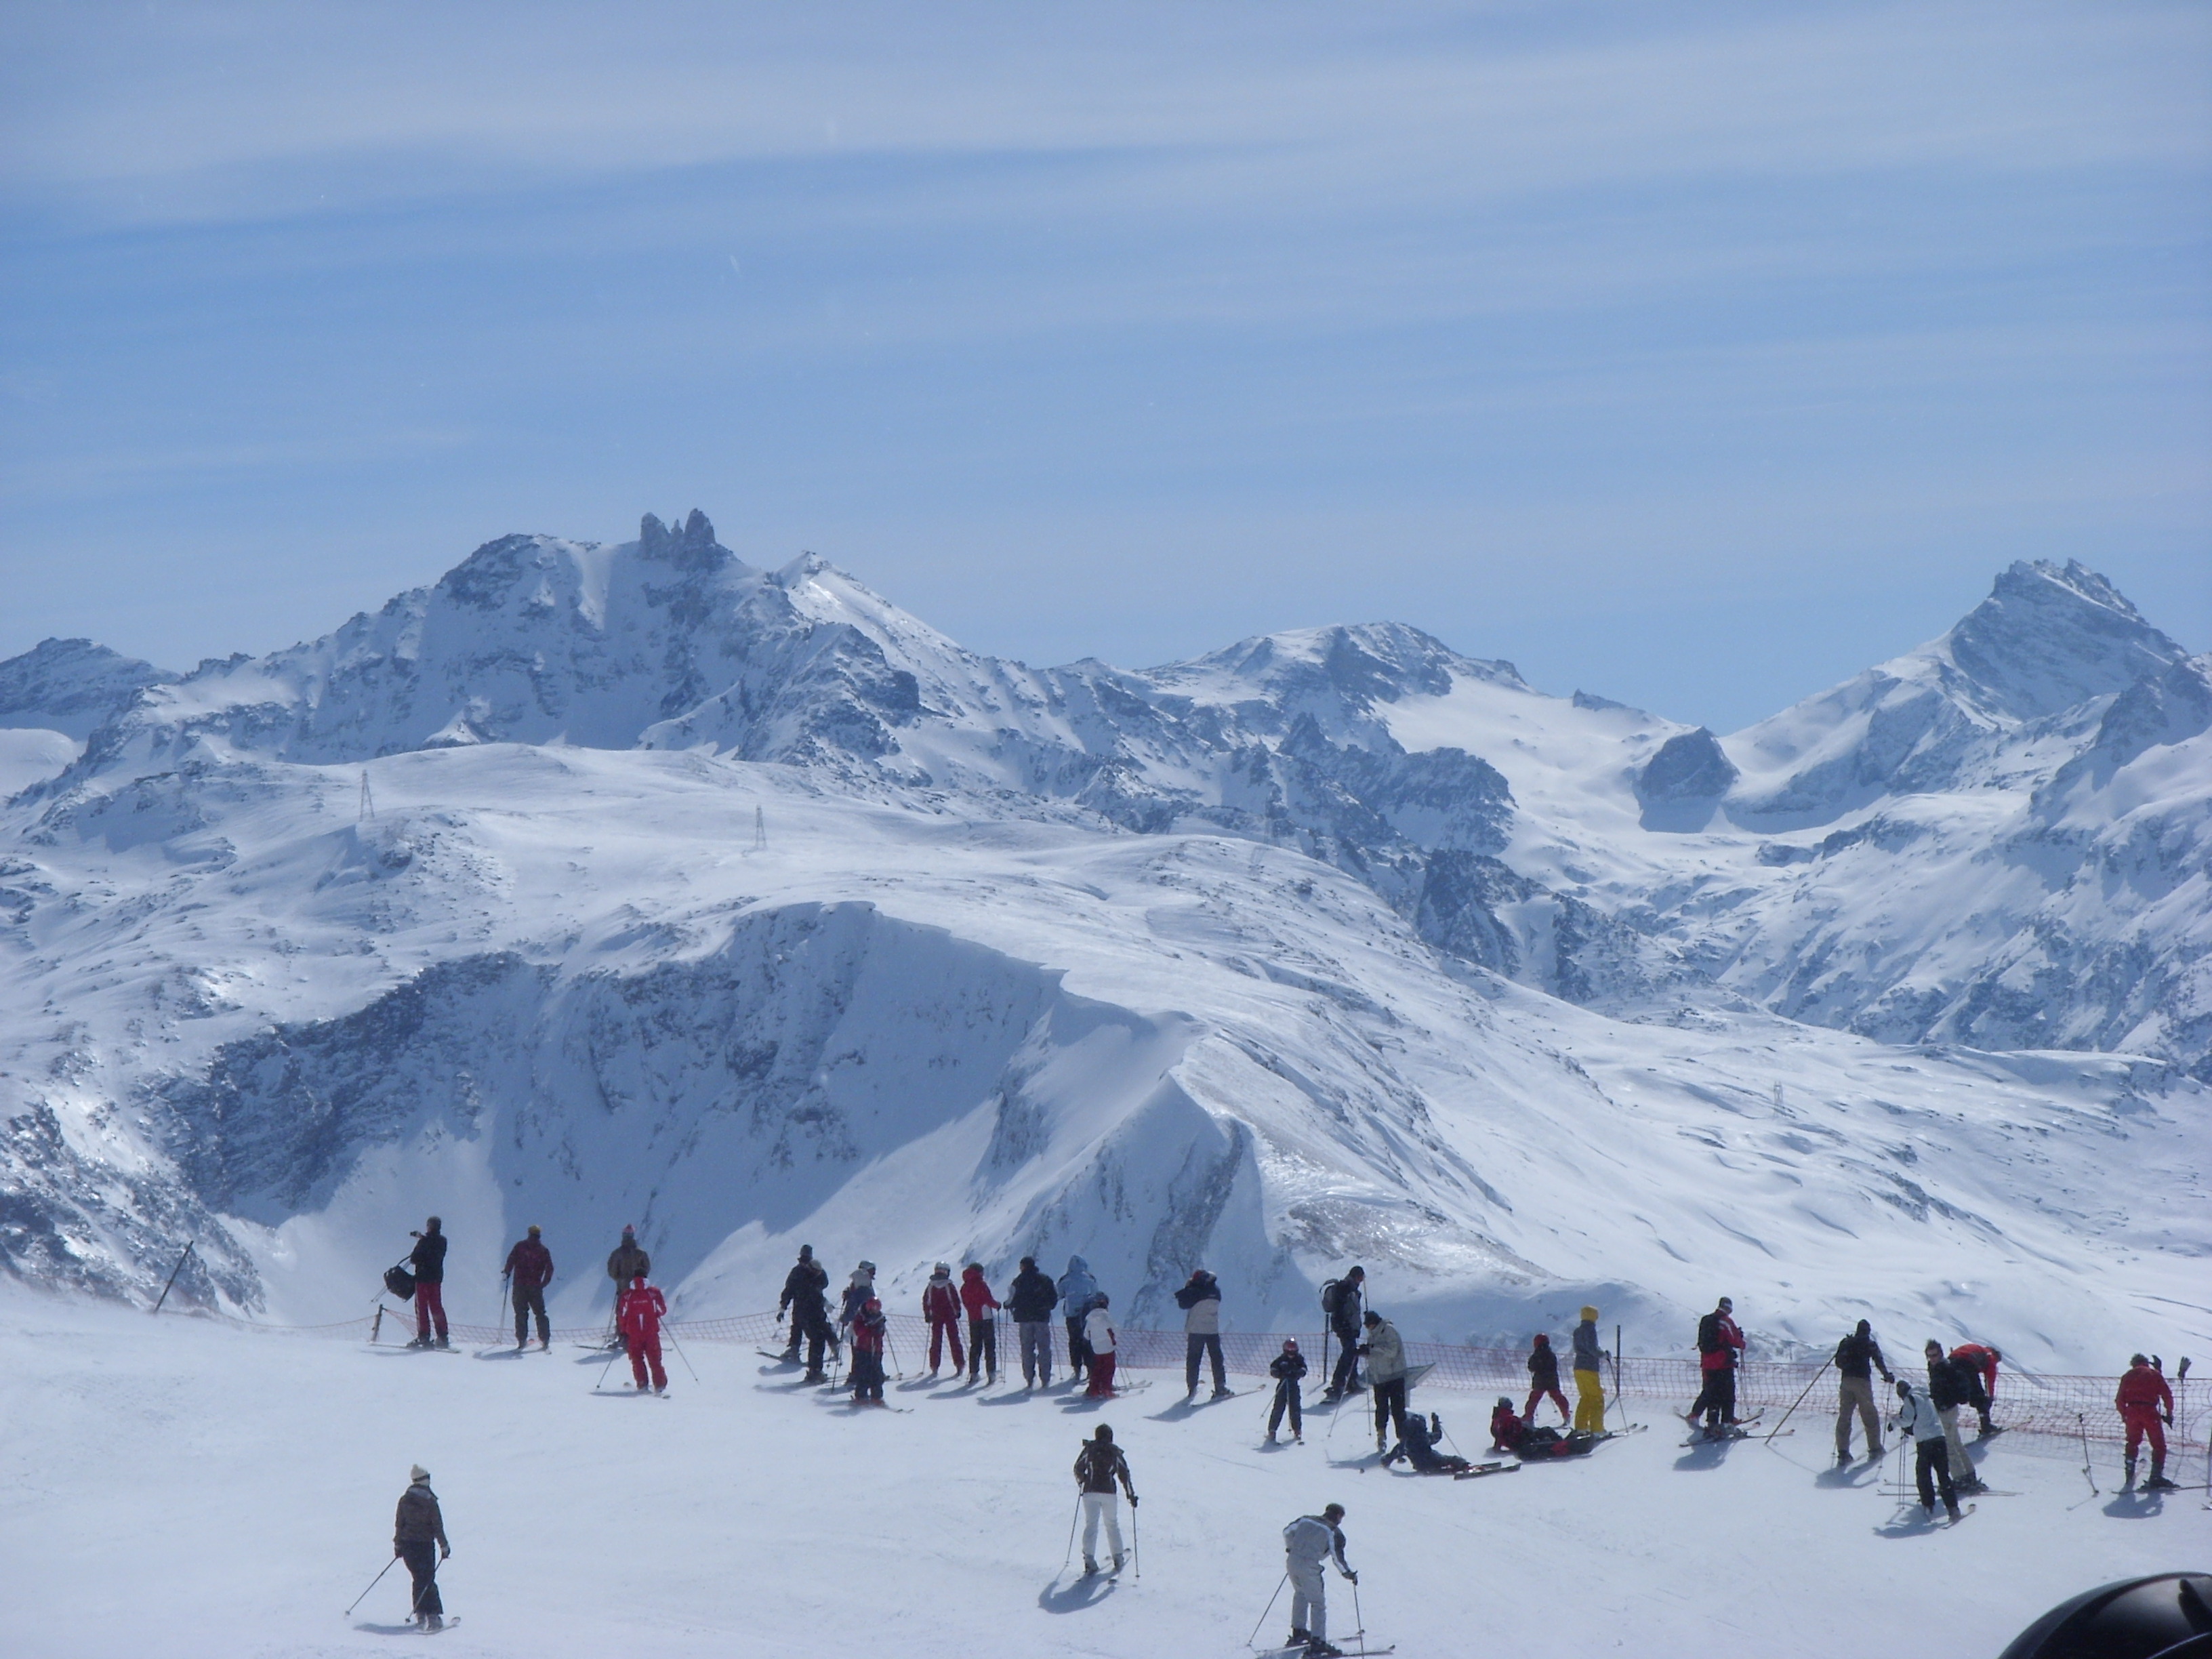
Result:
x=2037 y=1404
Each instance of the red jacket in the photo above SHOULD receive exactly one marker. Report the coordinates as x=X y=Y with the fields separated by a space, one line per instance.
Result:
x=1977 y=1358
x=941 y=1304
x=1722 y=1355
x=641 y=1314
x=975 y=1293
x=868 y=1333
x=2142 y=1390
x=532 y=1264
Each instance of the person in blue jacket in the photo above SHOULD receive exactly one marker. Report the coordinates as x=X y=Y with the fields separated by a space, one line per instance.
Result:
x=1079 y=1294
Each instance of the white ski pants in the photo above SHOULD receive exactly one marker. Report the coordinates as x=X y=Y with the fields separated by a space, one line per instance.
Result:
x=1101 y=1506
x=1961 y=1467
x=1309 y=1598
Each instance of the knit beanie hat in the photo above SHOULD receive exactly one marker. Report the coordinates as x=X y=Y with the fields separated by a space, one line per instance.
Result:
x=418 y=1476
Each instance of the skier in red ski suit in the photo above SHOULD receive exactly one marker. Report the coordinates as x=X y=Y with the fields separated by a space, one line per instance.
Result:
x=940 y=1306
x=1981 y=1360
x=983 y=1331
x=643 y=1307
x=2143 y=1399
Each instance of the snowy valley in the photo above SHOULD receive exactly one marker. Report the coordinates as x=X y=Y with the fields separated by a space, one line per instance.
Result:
x=596 y=885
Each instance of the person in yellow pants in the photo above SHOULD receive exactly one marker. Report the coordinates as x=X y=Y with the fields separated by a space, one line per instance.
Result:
x=1590 y=1381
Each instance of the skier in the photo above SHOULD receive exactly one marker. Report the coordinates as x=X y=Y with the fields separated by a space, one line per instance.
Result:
x=1978 y=1365
x=1949 y=1388
x=1419 y=1447
x=1078 y=1291
x=1719 y=1341
x=806 y=1293
x=940 y=1306
x=415 y=1528
x=1917 y=1415
x=1201 y=1302
x=1857 y=1357
x=529 y=1270
x=428 y=1259
x=982 y=1328
x=1098 y=1466
x=1544 y=1380
x=806 y=1275
x=1031 y=1299
x=1287 y=1368
x=1590 y=1380
x=2142 y=1400
x=1505 y=1428
x=1098 y=1347
x=643 y=1307
x=1386 y=1369
x=1343 y=1301
x=625 y=1262
x=1309 y=1543
x=869 y=1326
x=857 y=1289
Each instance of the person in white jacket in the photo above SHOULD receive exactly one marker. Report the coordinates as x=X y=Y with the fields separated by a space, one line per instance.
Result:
x=1098 y=1337
x=1311 y=1543
x=1931 y=1459
x=1386 y=1370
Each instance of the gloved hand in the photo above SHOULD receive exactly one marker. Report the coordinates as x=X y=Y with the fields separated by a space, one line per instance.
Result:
x=1354 y=1576
x=1133 y=1500
x=445 y=1552
x=397 y=1552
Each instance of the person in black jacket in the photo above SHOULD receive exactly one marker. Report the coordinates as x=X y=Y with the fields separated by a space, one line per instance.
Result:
x=806 y=1293
x=1544 y=1380
x=1858 y=1356
x=1417 y=1444
x=1287 y=1368
x=428 y=1259
x=1030 y=1299
x=1201 y=1302
x=1098 y=1466
x=1344 y=1323
x=1949 y=1388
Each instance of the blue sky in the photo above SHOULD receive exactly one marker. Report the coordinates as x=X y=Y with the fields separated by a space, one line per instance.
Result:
x=1694 y=354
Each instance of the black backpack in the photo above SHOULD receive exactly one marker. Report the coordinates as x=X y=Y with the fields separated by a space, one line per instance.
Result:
x=400 y=1282
x=1332 y=1297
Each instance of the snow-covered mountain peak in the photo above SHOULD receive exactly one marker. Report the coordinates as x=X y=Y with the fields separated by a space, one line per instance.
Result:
x=2048 y=638
x=71 y=686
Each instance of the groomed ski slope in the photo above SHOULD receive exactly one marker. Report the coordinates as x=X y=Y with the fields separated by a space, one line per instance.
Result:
x=171 y=1487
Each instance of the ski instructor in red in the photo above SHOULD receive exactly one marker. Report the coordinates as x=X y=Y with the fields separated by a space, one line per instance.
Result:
x=643 y=1307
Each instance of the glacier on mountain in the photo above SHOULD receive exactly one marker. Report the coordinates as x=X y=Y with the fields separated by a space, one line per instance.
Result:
x=1334 y=942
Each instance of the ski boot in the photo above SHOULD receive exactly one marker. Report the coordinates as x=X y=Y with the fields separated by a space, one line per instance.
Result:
x=2128 y=1484
x=1298 y=1440
x=442 y=1343
x=2158 y=1482
x=1090 y=1568
x=1220 y=1394
x=1842 y=1459
x=1271 y=1436
x=1117 y=1562
x=1320 y=1647
x=1298 y=1638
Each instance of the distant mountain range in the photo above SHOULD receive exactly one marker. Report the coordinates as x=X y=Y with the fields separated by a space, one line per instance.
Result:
x=1997 y=843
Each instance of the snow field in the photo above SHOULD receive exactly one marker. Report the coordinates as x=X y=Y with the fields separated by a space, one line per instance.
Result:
x=180 y=1489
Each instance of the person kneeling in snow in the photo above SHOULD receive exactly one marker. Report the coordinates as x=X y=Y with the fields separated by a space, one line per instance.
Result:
x=415 y=1527
x=1418 y=1446
x=643 y=1307
x=1505 y=1426
x=868 y=1328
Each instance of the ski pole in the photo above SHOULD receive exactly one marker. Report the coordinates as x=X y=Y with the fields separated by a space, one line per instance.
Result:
x=2081 y=1423
x=1269 y=1608
x=1800 y=1400
x=181 y=1260
x=1068 y=1554
x=1136 y=1544
x=1359 y=1618
x=898 y=1370
x=372 y=1583
x=683 y=1356
x=605 y=1369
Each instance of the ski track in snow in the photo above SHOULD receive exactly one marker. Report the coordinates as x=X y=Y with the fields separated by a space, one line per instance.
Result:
x=175 y=1489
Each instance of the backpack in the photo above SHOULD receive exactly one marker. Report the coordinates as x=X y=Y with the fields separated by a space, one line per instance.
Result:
x=1332 y=1297
x=399 y=1282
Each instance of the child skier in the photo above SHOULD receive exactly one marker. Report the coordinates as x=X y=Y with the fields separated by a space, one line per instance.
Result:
x=940 y=1306
x=1287 y=1368
x=1505 y=1428
x=1098 y=1346
x=643 y=1307
x=1544 y=1380
x=1917 y=1416
x=869 y=1326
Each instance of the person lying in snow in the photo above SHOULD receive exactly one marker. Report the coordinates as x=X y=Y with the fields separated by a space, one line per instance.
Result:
x=1535 y=1443
x=1418 y=1446
x=1505 y=1426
